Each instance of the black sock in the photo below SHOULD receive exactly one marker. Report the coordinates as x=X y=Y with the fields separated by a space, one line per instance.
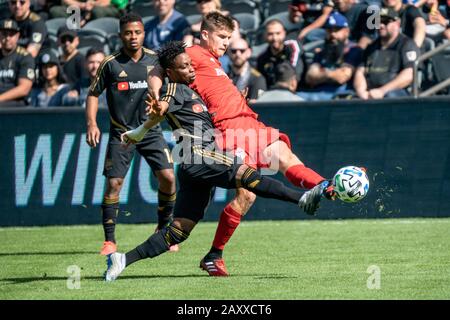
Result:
x=157 y=244
x=214 y=253
x=110 y=210
x=268 y=188
x=166 y=203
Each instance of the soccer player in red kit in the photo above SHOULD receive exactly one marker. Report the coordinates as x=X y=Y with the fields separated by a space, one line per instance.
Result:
x=261 y=146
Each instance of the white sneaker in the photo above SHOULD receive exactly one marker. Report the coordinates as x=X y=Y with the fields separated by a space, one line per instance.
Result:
x=116 y=263
x=310 y=200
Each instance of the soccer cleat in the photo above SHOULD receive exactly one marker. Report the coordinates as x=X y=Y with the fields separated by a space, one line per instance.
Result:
x=116 y=263
x=310 y=200
x=329 y=192
x=108 y=248
x=214 y=267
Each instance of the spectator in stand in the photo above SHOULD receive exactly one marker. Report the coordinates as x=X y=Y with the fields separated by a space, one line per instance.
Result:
x=314 y=14
x=284 y=87
x=90 y=9
x=334 y=66
x=94 y=58
x=71 y=60
x=413 y=24
x=51 y=91
x=437 y=25
x=204 y=7
x=279 y=50
x=16 y=66
x=168 y=25
x=358 y=16
x=33 y=31
x=244 y=76
x=387 y=66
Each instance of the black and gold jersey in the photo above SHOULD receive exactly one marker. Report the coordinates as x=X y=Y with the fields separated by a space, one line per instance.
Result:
x=187 y=114
x=19 y=64
x=125 y=82
x=32 y=30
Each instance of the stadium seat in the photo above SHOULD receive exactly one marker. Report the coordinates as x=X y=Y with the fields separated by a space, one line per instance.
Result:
x=88 y=41
x=193 y=18
x=247 y=21
x=292 y=29
x=102 y=26
x=242 y=6
x=147 y=19
x=187 y=7
x=440 y=63
x=277 y=6
x=54 y=24
x=143 y=8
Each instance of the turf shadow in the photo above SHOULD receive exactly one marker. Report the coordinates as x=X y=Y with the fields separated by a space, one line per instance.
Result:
x=100 y=278
x=55 y=253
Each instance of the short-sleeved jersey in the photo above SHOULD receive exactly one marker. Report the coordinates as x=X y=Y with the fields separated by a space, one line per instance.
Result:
x=315 y=10
x=223 y=99
x=74 y=68
x=187 y=114
x=251 y=79
x=267 y=61
x=329 y=57
x=383 y=65
x=175 y=28
x=408 y=14
x=32 y=30
x=357 y=16
x=125 y=82
x=18 y=64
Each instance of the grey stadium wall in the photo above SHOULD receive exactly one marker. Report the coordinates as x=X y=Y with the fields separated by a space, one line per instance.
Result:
x=49 y=176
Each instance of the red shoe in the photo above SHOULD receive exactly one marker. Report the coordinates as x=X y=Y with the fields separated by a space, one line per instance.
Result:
x=329 y=192
x=108 y=248
x=215 y=267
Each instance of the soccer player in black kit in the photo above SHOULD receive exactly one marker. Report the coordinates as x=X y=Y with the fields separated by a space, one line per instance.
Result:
x=202 y=166
x=124 y=76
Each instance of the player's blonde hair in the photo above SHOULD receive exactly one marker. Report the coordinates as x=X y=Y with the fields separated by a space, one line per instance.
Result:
x=216 y=21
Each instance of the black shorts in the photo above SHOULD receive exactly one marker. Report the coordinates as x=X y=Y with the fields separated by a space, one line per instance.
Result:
x=197 y=184
x=153 y=148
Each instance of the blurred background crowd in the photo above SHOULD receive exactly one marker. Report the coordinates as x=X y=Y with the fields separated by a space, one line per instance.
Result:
x=281 y=50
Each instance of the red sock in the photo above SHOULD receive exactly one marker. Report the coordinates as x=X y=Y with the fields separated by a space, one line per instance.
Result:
x=304 y=177
x=228 y=222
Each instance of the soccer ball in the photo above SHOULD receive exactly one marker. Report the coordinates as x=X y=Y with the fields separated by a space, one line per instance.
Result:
x=351 y=184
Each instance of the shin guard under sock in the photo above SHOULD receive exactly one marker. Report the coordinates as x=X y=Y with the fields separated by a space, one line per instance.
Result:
x=157 y=244
x=304 y=177
x=110 y=210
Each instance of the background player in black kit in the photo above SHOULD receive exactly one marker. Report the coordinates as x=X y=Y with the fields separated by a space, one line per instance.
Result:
x=202 y=168
x=124 y=76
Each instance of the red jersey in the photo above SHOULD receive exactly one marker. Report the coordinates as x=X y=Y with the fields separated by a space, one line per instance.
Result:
x=222 y=97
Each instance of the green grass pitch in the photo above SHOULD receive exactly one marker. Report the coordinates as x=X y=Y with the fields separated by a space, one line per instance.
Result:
x=267 y=259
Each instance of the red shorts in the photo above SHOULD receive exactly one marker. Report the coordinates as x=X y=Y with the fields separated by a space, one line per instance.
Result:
x=247 y=138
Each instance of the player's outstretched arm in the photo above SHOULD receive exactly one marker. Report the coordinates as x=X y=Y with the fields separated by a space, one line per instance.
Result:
x=136 y=135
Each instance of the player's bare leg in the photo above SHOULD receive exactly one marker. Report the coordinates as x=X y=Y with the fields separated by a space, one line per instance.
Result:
x=229 y=220
x=110 y=210
x=282 y=159
x=166 y=199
